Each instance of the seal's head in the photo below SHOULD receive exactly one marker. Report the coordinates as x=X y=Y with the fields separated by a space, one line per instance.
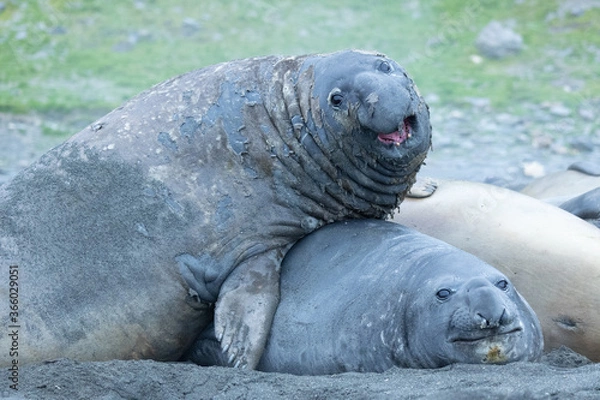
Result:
x=475 y=315
x=360 y=118
x=372 y=98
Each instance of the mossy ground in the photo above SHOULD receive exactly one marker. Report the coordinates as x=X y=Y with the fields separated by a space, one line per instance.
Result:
x=61 y=55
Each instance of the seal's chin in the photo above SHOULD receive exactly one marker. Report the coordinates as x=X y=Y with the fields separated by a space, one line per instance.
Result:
x=398 y=137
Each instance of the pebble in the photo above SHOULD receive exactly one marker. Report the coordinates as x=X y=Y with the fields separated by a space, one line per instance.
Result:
x=533 y=169
x=497 y=40
x=560 y=110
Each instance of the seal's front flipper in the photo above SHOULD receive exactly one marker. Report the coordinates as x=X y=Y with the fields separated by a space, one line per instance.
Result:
x=585 y=206
x=585 y=167
x=423 y=187
x=246 y=306
x=206 y=351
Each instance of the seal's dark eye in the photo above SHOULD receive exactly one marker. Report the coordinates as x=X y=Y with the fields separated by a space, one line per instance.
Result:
x=336 y=99
x=385 y=66
x=443 y=294
x=502 y=284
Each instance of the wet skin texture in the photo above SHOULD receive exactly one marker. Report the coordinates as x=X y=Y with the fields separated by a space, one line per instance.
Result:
x=370 y=295
x=188 y=196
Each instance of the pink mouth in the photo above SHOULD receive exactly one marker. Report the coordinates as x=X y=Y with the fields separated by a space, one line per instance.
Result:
x=396 y=138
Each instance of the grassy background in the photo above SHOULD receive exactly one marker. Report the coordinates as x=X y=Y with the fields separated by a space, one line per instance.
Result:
x=91 y=55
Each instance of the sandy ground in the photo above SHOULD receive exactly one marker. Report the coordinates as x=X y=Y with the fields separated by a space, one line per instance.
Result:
x=499 y=148
x=561 y=375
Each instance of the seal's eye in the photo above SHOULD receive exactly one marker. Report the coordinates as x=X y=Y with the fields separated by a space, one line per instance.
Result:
x=336 y=98
x=385 y=66
x=502 y=285
x=443 y=294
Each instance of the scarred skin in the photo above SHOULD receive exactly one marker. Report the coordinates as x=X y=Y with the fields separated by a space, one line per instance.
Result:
x=370 y=295
x=550 y=255
x=188 y=196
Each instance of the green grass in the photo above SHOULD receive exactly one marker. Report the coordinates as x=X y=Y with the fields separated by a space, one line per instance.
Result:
x=58 y=56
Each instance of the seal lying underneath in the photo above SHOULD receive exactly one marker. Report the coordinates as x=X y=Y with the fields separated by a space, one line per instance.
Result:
x=576 y=190
x=550 y=255
x=370 y=295
x=191 y=193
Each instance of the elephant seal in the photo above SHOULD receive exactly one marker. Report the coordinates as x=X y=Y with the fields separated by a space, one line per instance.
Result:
x=586 y=206
x=550 y=255
x=189 y=196
x=558 y=187
x=576 y=190
x=369 y=295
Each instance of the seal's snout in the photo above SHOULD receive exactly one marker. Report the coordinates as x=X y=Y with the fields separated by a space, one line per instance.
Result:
x=489 y=321
x=489 y=310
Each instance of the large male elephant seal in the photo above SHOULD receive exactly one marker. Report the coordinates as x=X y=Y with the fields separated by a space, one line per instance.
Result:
x=550 y=255
x=370 y=295
x=190 y=195
x=576 y=190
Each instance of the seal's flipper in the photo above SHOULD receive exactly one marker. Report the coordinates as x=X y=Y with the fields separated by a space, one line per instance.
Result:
x=585 y=206
x=246 y=306
x=585 y=167
x=206 y=351
x=423 y=187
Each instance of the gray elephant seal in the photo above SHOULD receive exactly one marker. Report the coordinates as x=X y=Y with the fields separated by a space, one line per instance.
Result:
x=370 y=295
x=550 y=255
x=191 y=193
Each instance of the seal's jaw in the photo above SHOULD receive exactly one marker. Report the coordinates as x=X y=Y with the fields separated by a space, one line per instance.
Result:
x=398 y=137
x=483 y=335
x=496 y=346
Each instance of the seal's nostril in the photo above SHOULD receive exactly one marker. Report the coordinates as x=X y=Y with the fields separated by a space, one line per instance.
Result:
x=483 y=321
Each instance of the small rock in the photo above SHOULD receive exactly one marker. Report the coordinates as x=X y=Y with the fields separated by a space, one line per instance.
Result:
x=498 y=41
x=582 y=145
x=189 y=27
x=560 y=149
x=587 y=114
x=478 y=102
x=533 y=169
x=432 y=98
x=542 y=141
x=456 y=114
x=576 y=8
x=564 y=357
x=559 y=110
x=476 y=59
x=58 y=30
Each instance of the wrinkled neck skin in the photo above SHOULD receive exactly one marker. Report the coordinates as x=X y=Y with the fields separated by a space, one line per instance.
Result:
x=339 y=173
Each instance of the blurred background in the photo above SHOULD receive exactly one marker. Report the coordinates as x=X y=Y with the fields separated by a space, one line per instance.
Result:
x=515 y=81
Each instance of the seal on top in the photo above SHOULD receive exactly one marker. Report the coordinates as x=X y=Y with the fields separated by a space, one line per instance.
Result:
x=189 y=195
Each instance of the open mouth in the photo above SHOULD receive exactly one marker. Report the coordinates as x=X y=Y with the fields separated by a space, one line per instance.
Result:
x=475 y=339
x=398 y=137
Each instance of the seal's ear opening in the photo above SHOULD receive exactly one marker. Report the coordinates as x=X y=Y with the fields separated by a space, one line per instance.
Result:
x=336 y=98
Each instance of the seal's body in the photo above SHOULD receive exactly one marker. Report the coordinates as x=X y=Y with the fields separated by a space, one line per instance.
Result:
x=576 y=190
x=191 y=193
x=370 y=295
x=550 y=255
